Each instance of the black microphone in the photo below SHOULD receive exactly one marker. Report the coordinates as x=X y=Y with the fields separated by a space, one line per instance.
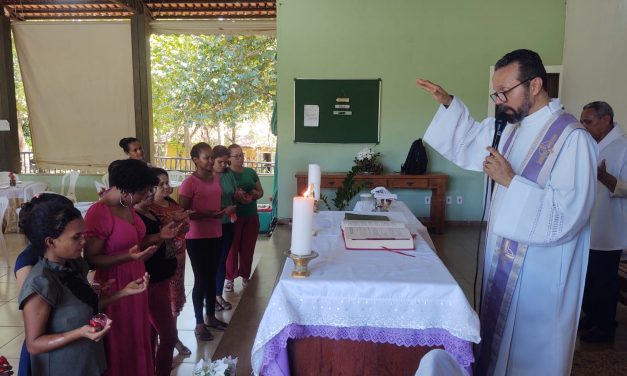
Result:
x=499 y=126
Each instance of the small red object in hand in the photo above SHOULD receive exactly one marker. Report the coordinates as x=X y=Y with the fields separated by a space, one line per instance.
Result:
x=99 y=321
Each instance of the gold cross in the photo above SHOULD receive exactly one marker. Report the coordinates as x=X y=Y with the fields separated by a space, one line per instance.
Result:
x=546 y=148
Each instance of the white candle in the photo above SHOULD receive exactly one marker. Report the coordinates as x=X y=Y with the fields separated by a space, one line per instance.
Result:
x=302 y=221
x=314 y=178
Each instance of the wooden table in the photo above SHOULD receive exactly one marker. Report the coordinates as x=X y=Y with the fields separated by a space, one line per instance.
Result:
x=435 y=182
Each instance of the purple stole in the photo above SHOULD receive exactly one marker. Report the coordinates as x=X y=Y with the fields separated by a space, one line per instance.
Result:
x=508 y=258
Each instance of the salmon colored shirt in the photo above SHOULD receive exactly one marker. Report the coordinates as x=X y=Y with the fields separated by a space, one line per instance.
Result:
x=205 y=196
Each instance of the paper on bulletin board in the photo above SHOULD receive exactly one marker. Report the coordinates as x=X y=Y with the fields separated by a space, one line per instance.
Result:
x=312 y=115
x=4 y=126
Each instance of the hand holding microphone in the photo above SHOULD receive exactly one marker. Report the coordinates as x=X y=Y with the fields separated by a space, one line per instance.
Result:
x=495 y=165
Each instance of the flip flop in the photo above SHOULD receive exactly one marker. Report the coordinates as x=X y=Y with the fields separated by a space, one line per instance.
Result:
x=203 y=334
x=182 y=349
x=224 y=304
x=217 y=325
x=219 y=307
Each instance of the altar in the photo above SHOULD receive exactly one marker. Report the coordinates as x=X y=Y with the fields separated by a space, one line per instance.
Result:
x=367 y=297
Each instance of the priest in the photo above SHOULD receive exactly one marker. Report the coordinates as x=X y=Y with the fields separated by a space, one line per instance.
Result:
x=536 y=254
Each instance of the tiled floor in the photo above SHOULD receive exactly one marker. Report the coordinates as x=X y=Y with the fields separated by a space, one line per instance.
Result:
x=456 y=248
x=12 y=329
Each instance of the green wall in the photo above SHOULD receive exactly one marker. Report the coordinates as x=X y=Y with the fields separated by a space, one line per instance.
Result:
x=452 y=43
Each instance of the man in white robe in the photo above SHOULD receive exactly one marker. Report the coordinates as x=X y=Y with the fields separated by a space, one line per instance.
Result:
x=608 y=224
x=552 y=221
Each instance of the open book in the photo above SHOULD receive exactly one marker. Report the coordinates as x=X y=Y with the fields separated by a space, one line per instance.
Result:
x=366 y=234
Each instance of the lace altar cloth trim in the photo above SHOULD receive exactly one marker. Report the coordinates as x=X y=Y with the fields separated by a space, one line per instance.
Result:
x=460 y=349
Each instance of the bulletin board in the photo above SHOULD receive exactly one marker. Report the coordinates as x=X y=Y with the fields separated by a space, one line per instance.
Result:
x=337 y=111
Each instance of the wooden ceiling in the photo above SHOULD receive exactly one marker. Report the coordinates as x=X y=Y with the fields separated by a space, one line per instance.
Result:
x=157 y=9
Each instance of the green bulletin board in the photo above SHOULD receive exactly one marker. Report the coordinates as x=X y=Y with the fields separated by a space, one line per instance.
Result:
x=337 y=111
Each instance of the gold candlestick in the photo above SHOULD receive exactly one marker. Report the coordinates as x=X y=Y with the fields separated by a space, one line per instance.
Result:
x=300 y=263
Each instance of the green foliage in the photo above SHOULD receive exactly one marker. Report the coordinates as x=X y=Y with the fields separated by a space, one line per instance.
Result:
x=345 y=193
x=20 y=99
x=209 y=83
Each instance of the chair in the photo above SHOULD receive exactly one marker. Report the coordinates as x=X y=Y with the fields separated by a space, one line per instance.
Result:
x=100 y=187
x=176 y=178
x=438 y=362
x=4 y=204
x=70 y=193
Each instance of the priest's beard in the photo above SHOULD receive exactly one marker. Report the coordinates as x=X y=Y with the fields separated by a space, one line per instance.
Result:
x=514 y=116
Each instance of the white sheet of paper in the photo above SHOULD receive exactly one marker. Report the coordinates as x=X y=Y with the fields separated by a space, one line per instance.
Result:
x=4 y=125
x=312 y=115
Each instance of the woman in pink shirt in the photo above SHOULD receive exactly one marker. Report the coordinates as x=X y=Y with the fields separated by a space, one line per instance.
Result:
x=200 y=193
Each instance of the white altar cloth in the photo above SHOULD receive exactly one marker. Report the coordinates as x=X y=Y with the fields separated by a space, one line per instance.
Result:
x=349 y=288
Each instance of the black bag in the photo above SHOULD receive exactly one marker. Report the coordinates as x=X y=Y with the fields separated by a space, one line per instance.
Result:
x=416 y=161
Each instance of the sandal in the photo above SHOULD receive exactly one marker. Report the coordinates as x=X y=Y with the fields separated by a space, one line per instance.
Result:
x=219 y=307
x=202 y=333
x=5 y=367
x=228 y=285
x=182 y=349
x=224 y=304
x=217 y=325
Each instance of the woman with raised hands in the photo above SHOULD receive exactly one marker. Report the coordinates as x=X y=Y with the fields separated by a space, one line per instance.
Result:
x=200 y=193
x=117 y=247
x=58 y=302
x=168 y=211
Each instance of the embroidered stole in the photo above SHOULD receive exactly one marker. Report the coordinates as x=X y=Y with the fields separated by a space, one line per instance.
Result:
x=509 y=256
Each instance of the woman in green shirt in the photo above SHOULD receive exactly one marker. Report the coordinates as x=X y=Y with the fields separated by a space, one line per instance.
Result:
x=249 y=190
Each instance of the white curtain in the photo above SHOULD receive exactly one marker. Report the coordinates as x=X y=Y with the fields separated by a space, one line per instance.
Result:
x=208 y=27
x=78 y=82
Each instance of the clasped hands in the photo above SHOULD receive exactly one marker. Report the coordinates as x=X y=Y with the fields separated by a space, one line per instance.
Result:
x=498 y=168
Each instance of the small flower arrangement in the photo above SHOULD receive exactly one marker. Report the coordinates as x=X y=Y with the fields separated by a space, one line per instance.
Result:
x=221 y=367
x=12 y=180
x=367 y=162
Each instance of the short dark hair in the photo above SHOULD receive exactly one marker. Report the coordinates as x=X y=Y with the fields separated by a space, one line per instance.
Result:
x=601 y=109
x=158 y=171
x=234 y=146
x=131 y=176
x=220 y=151
x=529 y=65
x=126 y=141
x=195 y=152
x=47 y=219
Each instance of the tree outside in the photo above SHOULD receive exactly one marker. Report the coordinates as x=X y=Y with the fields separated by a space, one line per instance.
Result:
x=214 y=88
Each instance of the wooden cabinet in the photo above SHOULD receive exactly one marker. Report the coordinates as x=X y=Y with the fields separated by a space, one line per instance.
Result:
x=435 y=182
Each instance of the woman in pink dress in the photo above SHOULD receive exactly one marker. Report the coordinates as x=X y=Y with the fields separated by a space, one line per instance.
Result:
x=114 y=235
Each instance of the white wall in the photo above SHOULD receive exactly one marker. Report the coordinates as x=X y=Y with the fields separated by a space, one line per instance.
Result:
x=595 y=55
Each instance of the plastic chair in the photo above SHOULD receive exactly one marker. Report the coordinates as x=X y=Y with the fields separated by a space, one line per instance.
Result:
x=4 y=204
x=438 y=362
x=100 y=187
x=176 y=178
x=70 y=193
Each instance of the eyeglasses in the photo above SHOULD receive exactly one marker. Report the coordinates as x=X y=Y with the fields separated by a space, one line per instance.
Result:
x=502 y=95
x=237 y=156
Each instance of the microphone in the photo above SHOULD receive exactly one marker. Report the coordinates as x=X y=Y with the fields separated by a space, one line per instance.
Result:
x=499 y=126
